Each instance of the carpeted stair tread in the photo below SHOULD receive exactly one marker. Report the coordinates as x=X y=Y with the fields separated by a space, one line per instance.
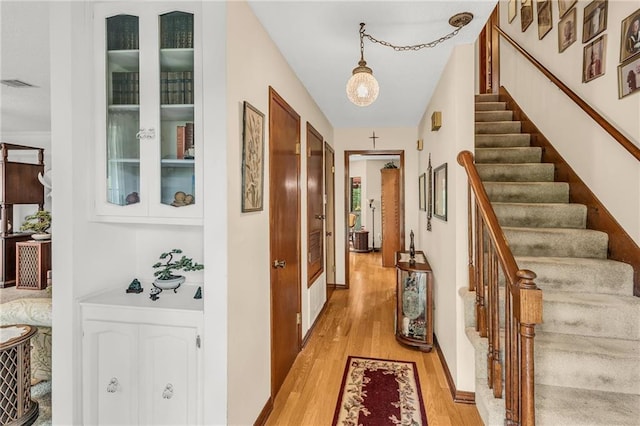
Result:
x=491 y=106
x=591 y=314
x=580 y=275
x=541 y=215
x=532 y=172
x=560 y=242
x=526 y=154
x=527 y=192
x=498 y=127
x=504 y=140
x=487 y=97
x=556 y=405
x=488 y=116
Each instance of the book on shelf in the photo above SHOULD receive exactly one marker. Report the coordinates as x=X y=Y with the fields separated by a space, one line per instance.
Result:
x=176 y=30
x=122 y=32
x=180 y=142
x=125 y=88
x=189 y=151
x=176 y=87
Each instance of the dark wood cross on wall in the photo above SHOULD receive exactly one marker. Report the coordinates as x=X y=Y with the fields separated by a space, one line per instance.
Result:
x=374 y=137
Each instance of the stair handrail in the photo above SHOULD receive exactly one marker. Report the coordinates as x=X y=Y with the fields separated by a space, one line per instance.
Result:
x=523 y=303
x=632 y=148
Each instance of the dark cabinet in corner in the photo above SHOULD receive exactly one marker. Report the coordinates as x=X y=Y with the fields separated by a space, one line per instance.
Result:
x=414 y=301
x=19 y=184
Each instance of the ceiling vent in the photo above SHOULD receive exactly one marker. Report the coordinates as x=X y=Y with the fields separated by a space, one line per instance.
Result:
x=16 y=83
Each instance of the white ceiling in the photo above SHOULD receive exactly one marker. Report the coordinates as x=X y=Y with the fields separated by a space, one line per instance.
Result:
x=319 y=39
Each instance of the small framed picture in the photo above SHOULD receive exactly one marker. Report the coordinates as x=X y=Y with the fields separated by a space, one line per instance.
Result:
x=440 y=192
x=630 y=36
x=564 y=6
x=252 y=159
x=526 y=14
x=595 y=19
x=567 y=30
x=544 y=18
x=512 y=8
x=422 y=191
x=593 y=59
x=629 y=77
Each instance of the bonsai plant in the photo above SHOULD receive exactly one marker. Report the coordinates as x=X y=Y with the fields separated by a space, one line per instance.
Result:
x=38 y=223
x=165 y=276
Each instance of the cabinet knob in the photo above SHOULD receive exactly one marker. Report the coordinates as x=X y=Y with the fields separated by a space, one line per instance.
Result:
x=168 y=391
x=113 y=385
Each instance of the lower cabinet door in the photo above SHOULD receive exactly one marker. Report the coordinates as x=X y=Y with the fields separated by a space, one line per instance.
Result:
x=110 y=373
x=169 y=375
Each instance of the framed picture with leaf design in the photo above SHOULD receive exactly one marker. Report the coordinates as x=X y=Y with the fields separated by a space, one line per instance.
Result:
x=252 y=159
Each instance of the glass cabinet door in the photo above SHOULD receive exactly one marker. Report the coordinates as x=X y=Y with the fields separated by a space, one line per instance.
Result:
x=177 y=150
x=123 y=110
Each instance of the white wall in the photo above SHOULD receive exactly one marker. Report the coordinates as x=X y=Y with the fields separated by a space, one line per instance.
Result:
x=600 y=161
x=446 y=245
x=373 y=190
x=391 y=138
x=253 y=64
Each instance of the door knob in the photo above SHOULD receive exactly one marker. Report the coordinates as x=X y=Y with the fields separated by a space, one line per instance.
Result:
x=279 y=263
x=320 y=216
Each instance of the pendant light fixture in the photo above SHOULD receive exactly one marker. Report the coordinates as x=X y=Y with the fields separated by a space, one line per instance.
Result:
x=362 y=87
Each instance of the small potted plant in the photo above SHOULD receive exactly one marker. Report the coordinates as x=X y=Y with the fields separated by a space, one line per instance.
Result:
x=38 y=223
x=166 y=279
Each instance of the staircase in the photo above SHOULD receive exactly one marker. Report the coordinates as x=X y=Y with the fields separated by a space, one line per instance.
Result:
x=587 y=350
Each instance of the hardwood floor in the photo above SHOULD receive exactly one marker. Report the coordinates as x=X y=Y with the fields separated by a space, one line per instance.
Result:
x=359 y=322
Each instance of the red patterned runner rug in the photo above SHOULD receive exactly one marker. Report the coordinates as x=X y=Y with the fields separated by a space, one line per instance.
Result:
x=376 y=392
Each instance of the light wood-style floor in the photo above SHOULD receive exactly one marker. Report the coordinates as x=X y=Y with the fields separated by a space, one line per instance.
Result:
x=359 y=322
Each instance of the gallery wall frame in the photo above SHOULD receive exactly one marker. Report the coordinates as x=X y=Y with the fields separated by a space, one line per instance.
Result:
x=422 y=191
x=544 y=18
x=567 y=30
x=593 y=59
x=526 y=14
x=440 y=192
x=252 y=158
x=429 y=194
x=630 y=36
x=512 y=8
x=564 y=6
x=629 y=77
x=594 y=19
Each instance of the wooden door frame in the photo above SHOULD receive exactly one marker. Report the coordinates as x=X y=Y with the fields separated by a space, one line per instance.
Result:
x=330 y=174
x=274 y=96
x=347 y=155
x=489 y=54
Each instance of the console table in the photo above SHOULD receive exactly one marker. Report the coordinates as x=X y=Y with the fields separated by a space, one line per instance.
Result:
x=15 y=375
x=361 y=241
x=414 y=301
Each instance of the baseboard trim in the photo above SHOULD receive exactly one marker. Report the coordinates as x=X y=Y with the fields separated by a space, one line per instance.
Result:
x=264 y=414
x=308 y=334
x=462 y=397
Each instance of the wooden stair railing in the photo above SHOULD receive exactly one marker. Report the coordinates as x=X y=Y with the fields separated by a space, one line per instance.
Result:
x=489 y=254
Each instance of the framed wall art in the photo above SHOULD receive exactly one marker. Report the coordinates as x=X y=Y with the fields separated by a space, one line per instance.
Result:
x=526 y=14
x=544 y=18
x=564 y=6
x=594 y=20
x=440 y=192
x=630 y=36
x=567 y=30
x=629 y=77
x=512 y=7
x=429 y=194
x=252 y=159
x=593 y=59
x=422 y=191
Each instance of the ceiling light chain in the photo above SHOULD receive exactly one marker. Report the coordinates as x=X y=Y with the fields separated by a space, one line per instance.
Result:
x=415 y=46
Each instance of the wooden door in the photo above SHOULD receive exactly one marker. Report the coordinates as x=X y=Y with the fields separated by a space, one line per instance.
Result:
x=390 y=209
x=330 y=214
x=284 y=220
x=315 y=206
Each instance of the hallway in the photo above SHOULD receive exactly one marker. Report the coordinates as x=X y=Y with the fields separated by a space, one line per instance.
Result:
x=359 y=322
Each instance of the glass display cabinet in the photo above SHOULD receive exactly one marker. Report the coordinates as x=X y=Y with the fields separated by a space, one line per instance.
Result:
x=148 y=141
x=414 y=301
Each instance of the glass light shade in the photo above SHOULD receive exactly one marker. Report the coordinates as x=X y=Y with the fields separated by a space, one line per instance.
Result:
x=362 y=87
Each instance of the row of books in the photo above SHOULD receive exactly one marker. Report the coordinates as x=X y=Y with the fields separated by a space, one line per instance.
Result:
x=122 y=32
x=125 y=88
x=176 y=87
x=176 y=30
x=185 y=141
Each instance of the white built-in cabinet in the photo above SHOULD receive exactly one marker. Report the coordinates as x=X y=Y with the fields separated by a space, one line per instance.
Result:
x=148 y=144
x=142 y=359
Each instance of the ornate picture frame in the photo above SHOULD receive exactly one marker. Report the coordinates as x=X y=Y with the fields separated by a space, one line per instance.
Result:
x=440 y=192
x=594 y=20
x=630 y=36
x=629 y=77
x=252 y=159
